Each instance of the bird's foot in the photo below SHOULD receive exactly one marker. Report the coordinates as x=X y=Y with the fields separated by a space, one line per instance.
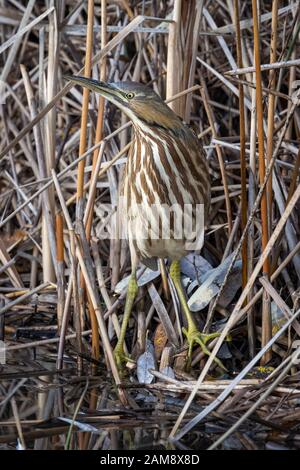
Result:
x=121 y=358
x=194 y=336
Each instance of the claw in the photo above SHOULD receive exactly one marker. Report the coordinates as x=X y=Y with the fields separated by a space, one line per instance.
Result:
x=121 y=358
x=194 y=336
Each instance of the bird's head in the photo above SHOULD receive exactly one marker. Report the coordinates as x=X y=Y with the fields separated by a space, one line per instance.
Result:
x=139 y=102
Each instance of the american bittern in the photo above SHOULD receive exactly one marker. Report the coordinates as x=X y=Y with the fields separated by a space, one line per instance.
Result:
x=166 y=167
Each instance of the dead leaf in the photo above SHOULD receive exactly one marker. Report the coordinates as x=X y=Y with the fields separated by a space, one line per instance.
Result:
x=211 y=285
x=147 y=276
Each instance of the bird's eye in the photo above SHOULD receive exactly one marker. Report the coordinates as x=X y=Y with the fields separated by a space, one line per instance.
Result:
x=130 y=95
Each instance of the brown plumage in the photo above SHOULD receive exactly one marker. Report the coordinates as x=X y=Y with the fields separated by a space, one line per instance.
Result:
x=166 y=168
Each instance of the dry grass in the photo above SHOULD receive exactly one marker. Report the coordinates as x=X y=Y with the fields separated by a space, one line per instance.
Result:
x=63 y=285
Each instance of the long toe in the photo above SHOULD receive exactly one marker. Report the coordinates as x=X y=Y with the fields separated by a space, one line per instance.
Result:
x=194 y=336
x=120 y=358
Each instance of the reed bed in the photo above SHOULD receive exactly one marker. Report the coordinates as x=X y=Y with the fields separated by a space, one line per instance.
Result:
x=231 y=71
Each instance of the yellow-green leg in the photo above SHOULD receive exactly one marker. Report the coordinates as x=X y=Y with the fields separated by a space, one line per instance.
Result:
x=132 y=290
x=193 y=335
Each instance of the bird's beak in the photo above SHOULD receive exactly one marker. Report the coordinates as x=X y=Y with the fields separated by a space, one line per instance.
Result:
x=105 y=89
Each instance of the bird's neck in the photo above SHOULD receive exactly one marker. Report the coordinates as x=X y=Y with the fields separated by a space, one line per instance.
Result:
x=153 y=132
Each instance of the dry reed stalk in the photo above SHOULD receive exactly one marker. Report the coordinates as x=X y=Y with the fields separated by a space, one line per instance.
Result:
x=265 y=67
x=24 y=30
x=85 y=106
x=192 y=68
x=18 y=423
x=271 y=104
x=50 y=42
x=65 y=319
x=48 y=129
x=87 y=274
x=11 y=270
x=60 y=269
x=294 y=178
x=127 y=30
x=102 y=327
x=266 y=312
x=174 y=63
x=255 y=406
x=81 y=167
x=212 y=123
x=242 y=145
x=73 y=280
x=23 y=297
x=16 y=44
x=273 y=277
x=47 y=209
x=236 y=314
x=102 y=287
x=252 y=193
x=258 y=199
x=100 y=112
